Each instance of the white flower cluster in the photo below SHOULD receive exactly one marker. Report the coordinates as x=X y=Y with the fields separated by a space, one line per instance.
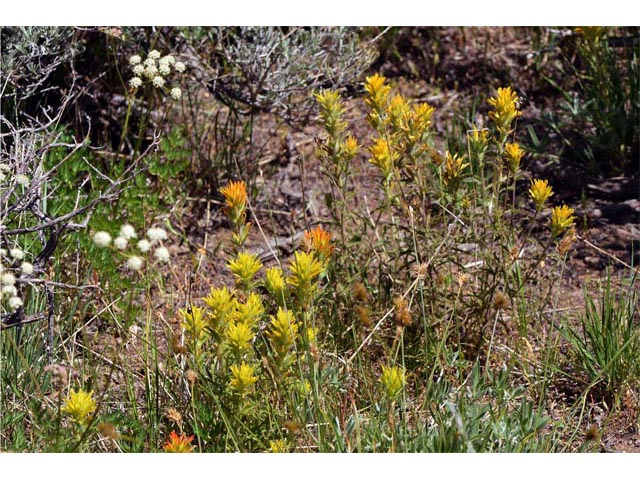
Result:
x=18 y=178
x=155 y=236
x=155 y=69
x=8 y=280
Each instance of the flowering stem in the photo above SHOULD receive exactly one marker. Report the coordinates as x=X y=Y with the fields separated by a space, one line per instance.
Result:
x=529 y=272
x=125 y=127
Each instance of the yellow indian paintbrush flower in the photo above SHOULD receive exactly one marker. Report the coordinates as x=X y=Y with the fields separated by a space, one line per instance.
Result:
x=376 y=90
x=561 y=219
x=194 y=323
x=331 y=111
x=235 y=195
x=221 y=306
x=350 y=147
x=514 y=154
x=283 y=331
x=251 y=311
x=398 y=111
x=376 y=99
x=540 y=192
x=275 y=284
x=305 y=267
x=278 y=446
x=382 y=157
x=454 y=167
x=421 y=118
x=505 y=111
x=242 y=378
x=239 y=335
x=591 y=34
x=392 y=380
x=310 y=335
x=80 y=405
x=245 y=267
x=478 y=138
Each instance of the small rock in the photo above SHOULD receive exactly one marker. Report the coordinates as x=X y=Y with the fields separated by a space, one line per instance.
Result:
x=594 y=262
x=467 y=247
x=620 y=213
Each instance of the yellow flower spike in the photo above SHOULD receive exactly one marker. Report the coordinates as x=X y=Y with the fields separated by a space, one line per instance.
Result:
x=454 y=165
x=514 y=154
x=398 y=111
x=305 y=267
x=318 y=240
x=328 y=99
x=178 y=443
x=540 y=192
x=239 y=335
x=251 y=311
x=221 y=305
x=80 y=405
x=561 y=219
x=331 y=111
x=505 y=111
x=351 y=147
x=382 y=157
x=453 y=169
x=245 y=267
x=282 y=331
x=422 y=117
x=478 y=138
x=377 y=98
x=591 y=34
x=278 y=446
x=194 y=323
x=305 y=387
x=310 y=335
x=392 y=380
x=235 y=195
x=275 y=284
x=375 y=87
x=242 y=378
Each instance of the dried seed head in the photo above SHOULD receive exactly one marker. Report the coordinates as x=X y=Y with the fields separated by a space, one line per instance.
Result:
x=500 y=301
x=403 y=314
x=567 y=241
x=292 y=427
x=420 y=270
x=191 y=376
x=108 y=430
x=359 y=292
x=592 y=433
x=173 y=415
x=364 y=314
x=462 y=279
x=178 y=348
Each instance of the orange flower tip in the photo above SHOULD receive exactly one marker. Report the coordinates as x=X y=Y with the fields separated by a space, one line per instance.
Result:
x=178 y=443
